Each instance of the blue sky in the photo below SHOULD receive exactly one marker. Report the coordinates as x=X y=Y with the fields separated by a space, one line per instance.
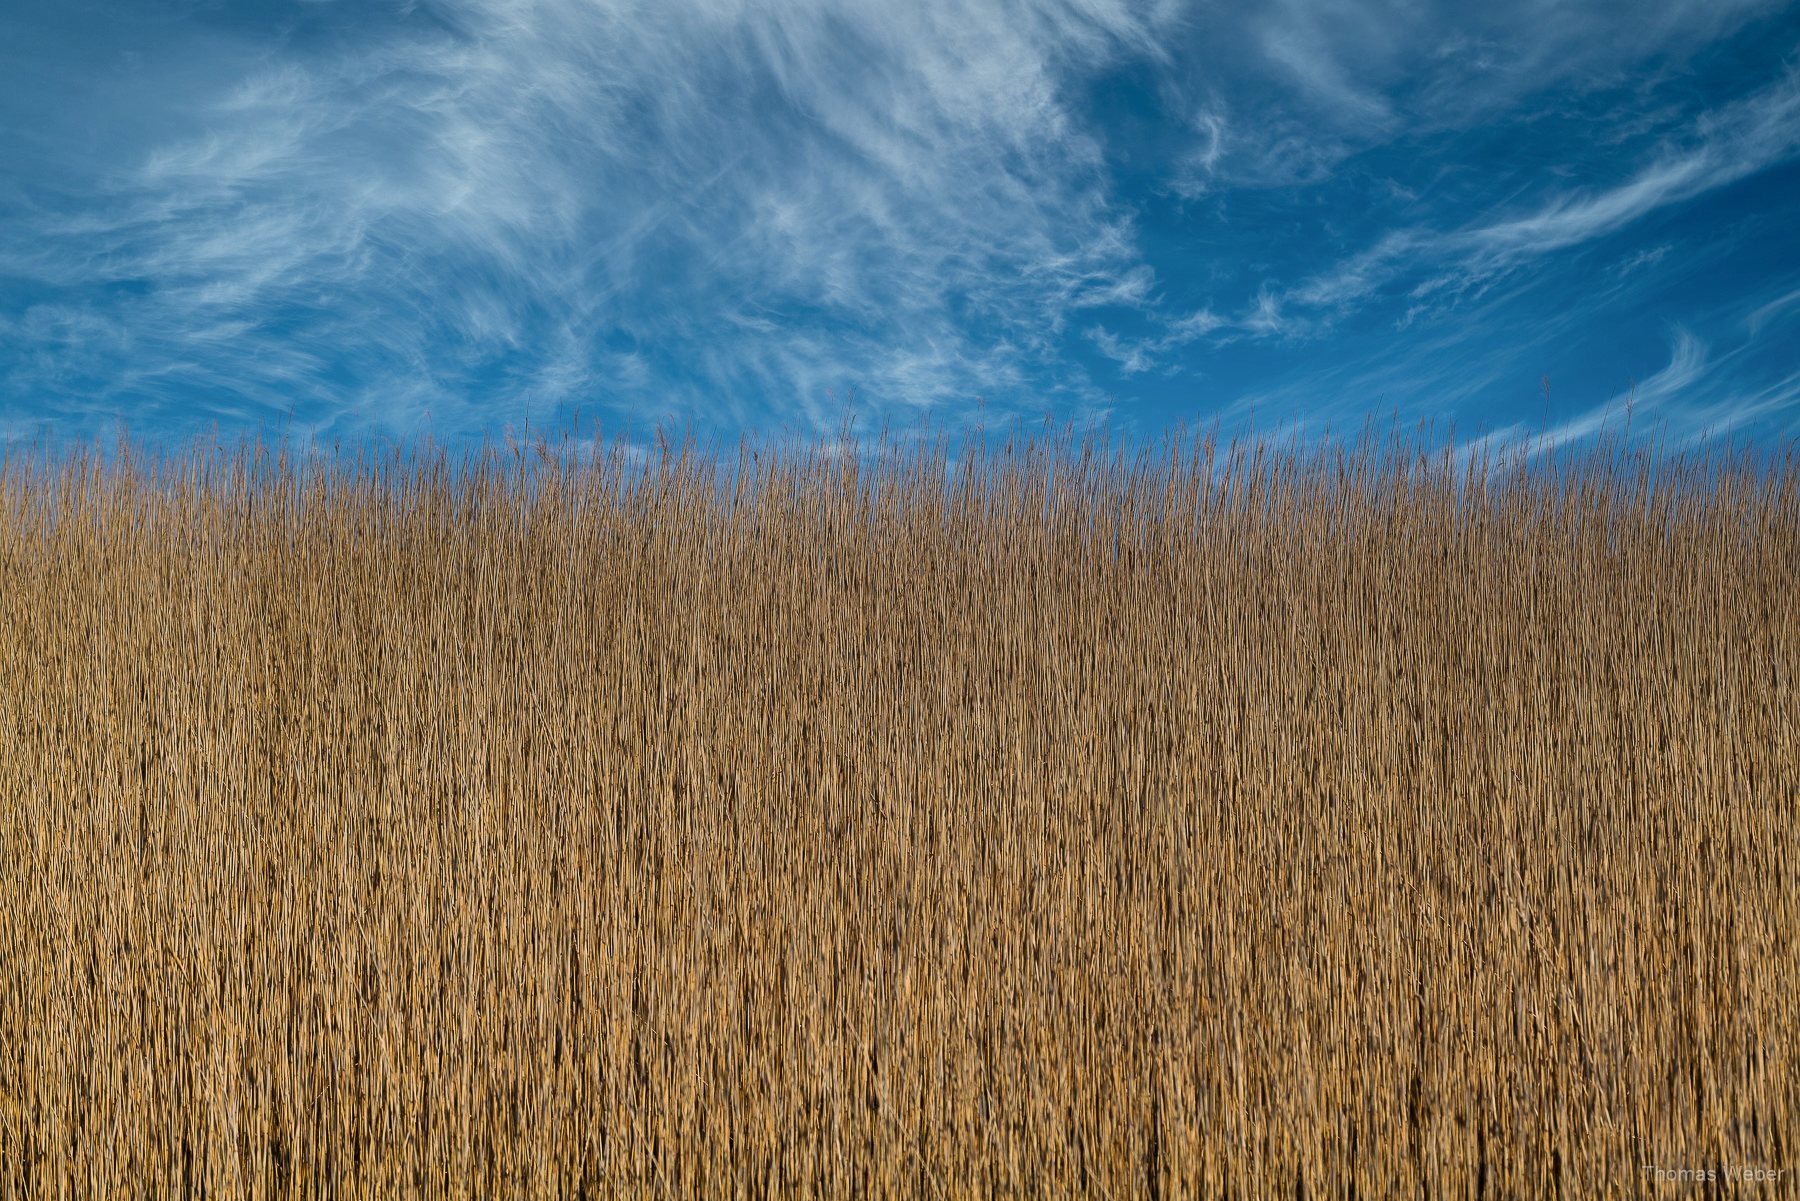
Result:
x=373 y=218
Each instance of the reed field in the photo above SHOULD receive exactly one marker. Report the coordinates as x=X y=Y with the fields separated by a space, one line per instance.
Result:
x=1354 y=820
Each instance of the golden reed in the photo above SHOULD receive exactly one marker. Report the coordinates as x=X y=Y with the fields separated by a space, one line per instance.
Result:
x=1210 y=821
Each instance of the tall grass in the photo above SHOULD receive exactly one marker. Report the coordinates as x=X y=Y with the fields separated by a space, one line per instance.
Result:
x=1207 y=821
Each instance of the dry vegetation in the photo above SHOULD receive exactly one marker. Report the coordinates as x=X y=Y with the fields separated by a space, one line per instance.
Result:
x=1208 y=822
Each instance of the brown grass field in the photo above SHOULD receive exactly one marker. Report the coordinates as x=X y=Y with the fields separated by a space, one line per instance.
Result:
x=1210 y=821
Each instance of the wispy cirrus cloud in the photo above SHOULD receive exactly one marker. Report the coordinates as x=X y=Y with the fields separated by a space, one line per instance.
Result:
x=1469 y=273
x=1722 y=148
x=1674 y=402
x=515 y=201
x=457 y=214
x=1687 y=364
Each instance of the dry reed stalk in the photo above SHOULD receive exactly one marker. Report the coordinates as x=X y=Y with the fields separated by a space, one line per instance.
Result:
x=1211 y=821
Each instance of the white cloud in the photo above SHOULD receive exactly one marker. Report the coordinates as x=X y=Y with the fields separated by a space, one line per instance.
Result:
x=483 y=197
x=1770 y=311
x=1662 y=395
x=1739 y=407
x=1133 y=358
x=1130 y=289
x=1309 y=40
x=1724 y=147
x=719 y=208
x=1196 y=167
x=1316 y=81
